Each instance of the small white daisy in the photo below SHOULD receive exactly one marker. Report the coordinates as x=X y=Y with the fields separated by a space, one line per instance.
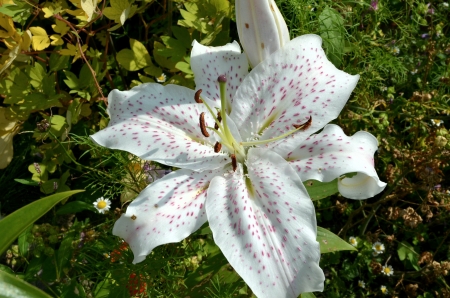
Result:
x=437 y=122
x=352 y=240
x=384 y=290
x=395 y=51
x=102 y=205
x=361 y=284
x=387 y=270
x=413 y=72
x=162 y=78
x=378 y=248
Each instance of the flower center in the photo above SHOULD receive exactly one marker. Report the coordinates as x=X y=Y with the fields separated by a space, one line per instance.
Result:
x=238 y=150
x=101 y=204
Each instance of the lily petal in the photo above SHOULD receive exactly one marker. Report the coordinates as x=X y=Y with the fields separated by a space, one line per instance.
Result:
x=208 y=63
x=168 y=210
x=160 y=123
x=261 y=28
x=293 y=84
x=329 y=154
x=267 y=231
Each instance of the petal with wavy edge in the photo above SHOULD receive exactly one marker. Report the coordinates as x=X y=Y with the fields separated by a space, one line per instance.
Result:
x=160 y=123
x=329 y=154
x=168 y=210
x=268 y=231
x=291 y=85
x=208 y=63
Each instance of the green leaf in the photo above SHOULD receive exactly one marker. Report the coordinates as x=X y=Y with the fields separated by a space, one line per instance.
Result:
x=57 y=127
x=23 y=241
x=72 y=80
x=17 y=222
x=74 y=207
x=320 y=190
x=58 y=62
x=120 y=11
x=332 y=32
x=27 y=182
x=36 y=74
x=406 y=252
x=13 y=287
x=307 y=295
x=136 y=58
x=330 y=242
x=184 y=67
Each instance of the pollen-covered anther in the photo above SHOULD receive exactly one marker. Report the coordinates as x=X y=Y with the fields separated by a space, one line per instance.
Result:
x=217 y=147
x=303 y=126
x=133 y=217
x=203 y=125
x=233 y=162
x=197 y=96
x=219 y=119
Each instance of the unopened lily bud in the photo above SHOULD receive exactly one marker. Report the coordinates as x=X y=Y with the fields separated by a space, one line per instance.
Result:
x=261 y=28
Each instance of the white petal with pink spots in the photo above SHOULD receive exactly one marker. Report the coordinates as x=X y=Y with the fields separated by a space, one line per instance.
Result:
x=330 y=154
x=260 y=213
x=265 y=225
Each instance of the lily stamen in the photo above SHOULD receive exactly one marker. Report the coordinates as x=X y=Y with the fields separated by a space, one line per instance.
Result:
x=217 y=147
x=197 y=96
x=300 y=127
x=304 y=126
x=233 y=162
x=203 y=125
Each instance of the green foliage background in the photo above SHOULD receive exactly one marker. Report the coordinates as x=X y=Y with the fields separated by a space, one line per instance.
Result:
x=59 y=60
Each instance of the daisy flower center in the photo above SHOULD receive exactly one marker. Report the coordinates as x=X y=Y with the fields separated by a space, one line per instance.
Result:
x=101 y=204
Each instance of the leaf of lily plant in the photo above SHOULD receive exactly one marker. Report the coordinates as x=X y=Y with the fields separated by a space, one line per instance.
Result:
x=330 y=242
x=320 y=190
x=13 y=287
x=15 y=223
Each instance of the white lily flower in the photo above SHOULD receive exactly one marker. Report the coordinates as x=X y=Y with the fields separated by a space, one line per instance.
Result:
x=261 y=28
x=250 y=190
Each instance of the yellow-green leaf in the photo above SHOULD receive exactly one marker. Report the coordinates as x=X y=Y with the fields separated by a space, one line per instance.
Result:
x=56 y=40
x=60 y=27
x=120 y=11
x=89 y=7
x=73 y=50
x=40 y=40
x=136 y=58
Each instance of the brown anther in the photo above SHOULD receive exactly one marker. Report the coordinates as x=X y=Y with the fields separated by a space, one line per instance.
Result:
x=217 y=147
x=197 y=96
x=304 y=126
x=203 y=125
x=233 y=162
x=133 y=217
x=219 y=118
